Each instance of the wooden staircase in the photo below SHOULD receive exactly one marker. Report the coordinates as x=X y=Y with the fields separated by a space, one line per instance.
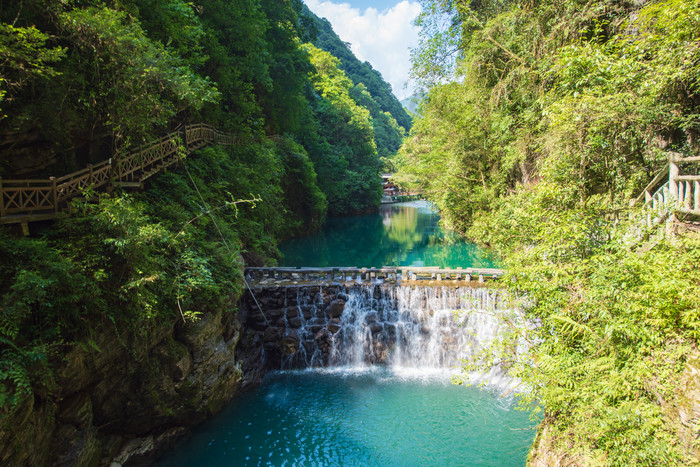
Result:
x=23 y=201
x=670 y=199
x=674 y=189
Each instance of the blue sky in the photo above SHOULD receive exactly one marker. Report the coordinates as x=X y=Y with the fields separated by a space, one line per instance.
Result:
x=380 y=32
x=380 y=5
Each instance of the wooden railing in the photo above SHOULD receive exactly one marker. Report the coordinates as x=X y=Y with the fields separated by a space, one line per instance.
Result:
x=672 y=191
x=27 y=200
x=399 y=273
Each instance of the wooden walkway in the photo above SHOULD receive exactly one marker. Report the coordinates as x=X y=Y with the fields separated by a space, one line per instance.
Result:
x=671 y=190
x=431 y=275
x=23 y=201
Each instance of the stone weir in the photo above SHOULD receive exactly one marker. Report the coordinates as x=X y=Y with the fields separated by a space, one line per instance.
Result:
x=299 y=326
x=392 y=274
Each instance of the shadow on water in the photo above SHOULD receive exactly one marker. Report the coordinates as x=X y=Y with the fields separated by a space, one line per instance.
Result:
x=405 y=234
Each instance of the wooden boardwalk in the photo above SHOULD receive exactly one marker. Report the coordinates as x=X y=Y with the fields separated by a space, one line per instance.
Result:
x=424 y=275
x=23 y=201
x=673 y=191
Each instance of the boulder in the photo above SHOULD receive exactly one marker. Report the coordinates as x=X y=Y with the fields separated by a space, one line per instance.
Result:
x=135 y=450
x=290 y=342
x=77 y=447
x=336 y=308
x=307 y=311
x=295 y=322
x=292 y=312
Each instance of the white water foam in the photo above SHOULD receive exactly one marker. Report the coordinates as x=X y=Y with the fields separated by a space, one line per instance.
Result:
x=418 y=332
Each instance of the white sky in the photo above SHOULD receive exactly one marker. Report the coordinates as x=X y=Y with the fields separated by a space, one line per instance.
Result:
x=382 y=37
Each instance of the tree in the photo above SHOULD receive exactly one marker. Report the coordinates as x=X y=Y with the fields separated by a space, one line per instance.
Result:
x=553 y=116
x=349 y=175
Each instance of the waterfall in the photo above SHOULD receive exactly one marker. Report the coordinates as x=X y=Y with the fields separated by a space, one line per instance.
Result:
x=399 y=326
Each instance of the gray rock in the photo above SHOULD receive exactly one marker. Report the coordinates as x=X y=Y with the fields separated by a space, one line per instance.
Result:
x=135 y=449
x=335 y=310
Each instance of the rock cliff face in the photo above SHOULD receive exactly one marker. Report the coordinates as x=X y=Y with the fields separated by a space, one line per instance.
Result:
x=276 y=331
x=128 y=398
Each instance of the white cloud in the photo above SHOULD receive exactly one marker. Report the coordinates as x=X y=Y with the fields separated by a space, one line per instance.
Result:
x=381 y=38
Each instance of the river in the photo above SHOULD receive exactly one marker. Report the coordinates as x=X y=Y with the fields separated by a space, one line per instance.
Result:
x=404 y=234
x=404 y=412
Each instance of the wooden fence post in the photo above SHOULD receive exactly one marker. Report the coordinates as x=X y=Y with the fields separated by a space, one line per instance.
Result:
x=118 y=162
x=54 y=194
x=110 y=176
x=2 y=200
x=672 y=183
x=90 y=179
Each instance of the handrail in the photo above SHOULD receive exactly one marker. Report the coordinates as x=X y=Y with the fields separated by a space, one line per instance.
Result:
x=687 y=159
x=30 y=199
x=679 y=192
x=84 y=171
x=663 y=174
x=690 y=178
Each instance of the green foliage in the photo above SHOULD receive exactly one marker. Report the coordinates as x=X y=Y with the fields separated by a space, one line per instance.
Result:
x=175 y=24
x=285 y=103
x=304 y=200
x=45 y=300
x=359 y=73
x=82 y=81
x=109 y=264
x=234 y=37
x=344 y=151
x=136 y=83
x=24 y=58
x=613 y=326
x=435 y=58
x=449 y=156
x=614 y=330
x=387 y=133
x=553 y=123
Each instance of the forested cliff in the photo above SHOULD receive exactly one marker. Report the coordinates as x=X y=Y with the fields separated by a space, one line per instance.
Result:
x=543 y=120
x=390 y=120
x=120 y=320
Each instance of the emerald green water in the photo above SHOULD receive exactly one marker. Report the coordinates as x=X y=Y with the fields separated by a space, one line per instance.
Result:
x=405 y=234
x=373 y=415
x=361 y=417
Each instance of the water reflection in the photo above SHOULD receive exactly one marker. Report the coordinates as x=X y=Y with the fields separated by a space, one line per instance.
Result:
x=405 y=234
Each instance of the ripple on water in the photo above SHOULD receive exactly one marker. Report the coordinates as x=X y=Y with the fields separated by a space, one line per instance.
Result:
x=361 y=416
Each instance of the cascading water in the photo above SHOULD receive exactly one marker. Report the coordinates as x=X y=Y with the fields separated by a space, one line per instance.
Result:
x=399 y=326
x=367 y=366
x=383 y=396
